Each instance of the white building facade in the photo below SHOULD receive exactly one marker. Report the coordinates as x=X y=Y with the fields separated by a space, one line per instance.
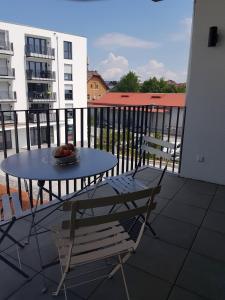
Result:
x=41 y=69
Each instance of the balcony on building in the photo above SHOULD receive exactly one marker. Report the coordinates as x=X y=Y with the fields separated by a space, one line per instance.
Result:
x=39 y=52
x=7 y=73
x=41 y=117
x=6 y=47
x=6 y=96
x=41 y=97
x=40 y=75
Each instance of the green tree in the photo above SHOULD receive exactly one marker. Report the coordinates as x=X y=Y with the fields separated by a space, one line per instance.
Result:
x=128 y=83
x=154 y=85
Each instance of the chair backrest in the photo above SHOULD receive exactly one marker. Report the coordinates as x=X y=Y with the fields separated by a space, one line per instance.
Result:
x=79 y=205
x=157 y=147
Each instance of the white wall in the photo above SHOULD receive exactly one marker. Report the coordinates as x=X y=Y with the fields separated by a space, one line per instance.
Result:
x=205 y=119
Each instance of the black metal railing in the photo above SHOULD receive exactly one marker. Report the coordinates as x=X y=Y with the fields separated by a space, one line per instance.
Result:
x=118 y=130
x=31 y=74
x=5 y=95
x=33 y=50
x=7 y=72
x=6 y=46
x=41 y=96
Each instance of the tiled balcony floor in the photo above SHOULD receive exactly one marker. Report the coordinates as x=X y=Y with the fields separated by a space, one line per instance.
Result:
x=185 y=262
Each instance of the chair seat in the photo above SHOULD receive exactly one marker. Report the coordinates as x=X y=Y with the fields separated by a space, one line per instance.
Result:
x=123 y=184
x=93 y=243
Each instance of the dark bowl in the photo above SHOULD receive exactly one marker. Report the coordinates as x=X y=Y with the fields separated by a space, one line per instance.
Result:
x=64 y=160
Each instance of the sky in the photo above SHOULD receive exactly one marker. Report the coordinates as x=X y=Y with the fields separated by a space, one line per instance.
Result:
x=148 y=38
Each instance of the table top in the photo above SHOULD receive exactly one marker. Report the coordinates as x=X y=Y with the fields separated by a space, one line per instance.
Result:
x=40 y=164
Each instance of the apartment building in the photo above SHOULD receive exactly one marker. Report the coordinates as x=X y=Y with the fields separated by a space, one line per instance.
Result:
x=40 y=69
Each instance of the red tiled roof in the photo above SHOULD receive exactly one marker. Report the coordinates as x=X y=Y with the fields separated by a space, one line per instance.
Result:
x=125 y=99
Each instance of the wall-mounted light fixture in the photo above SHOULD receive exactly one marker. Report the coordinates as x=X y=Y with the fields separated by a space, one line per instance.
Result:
x=213 y=36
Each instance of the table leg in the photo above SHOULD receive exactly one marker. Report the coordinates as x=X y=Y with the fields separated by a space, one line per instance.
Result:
x=41 y=184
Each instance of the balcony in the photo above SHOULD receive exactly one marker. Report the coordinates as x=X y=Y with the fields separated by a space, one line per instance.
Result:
x=7 y=73
x=183 y=263
x=45 y=52
x=40 y=75
x=7 y=96
x=41 y=97
x=6 y=48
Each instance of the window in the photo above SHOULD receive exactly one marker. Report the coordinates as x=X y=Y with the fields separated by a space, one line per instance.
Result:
x=68 y=72
x=68 y=91
x=2 y=39
x=69 y=108
x=67 y=50
x=37 y=69
x=36 y=45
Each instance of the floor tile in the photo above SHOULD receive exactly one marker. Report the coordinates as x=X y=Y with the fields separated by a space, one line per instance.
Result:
x=146 y=287
x=203 y=276
x=193 y=198
x=218 y=203
x=200 y=186
x=215 y=221
x=205 y=244
x=183 y=212
x=181 y=294
x=173 y=231
x=158 y=258
x=160 y=204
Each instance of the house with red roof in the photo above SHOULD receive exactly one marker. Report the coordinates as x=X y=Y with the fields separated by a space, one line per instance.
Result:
x=161 y=112
x=135 y=99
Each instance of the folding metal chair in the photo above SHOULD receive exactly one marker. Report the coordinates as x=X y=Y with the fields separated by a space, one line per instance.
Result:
x=126 y=183
x=11 y=211
x=82 y=241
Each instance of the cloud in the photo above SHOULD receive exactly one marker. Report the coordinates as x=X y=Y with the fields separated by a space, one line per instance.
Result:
x=157 y=69
x=118 y=40
x=113 y=67
x=185 y=32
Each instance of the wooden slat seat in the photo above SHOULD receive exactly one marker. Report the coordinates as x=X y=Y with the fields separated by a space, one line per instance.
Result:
x=82 y=239
x=88 y=242
x=129 y=183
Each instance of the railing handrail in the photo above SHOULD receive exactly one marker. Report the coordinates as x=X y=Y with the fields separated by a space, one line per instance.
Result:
x=40 y=74
x=49 y=51
x=99 y=107
x=9 y=71
x=7 y=95
x=42 y=95
x=6 y=45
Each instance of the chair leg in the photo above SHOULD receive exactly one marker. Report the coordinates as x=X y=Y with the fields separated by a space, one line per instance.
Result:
x=18 y=257
x=44 y=289
x=124 y=278
x=56 y=293
x=117 y=267
x=147 y=223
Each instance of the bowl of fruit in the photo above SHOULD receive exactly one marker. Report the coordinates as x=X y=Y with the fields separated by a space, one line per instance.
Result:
x=65 y=154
